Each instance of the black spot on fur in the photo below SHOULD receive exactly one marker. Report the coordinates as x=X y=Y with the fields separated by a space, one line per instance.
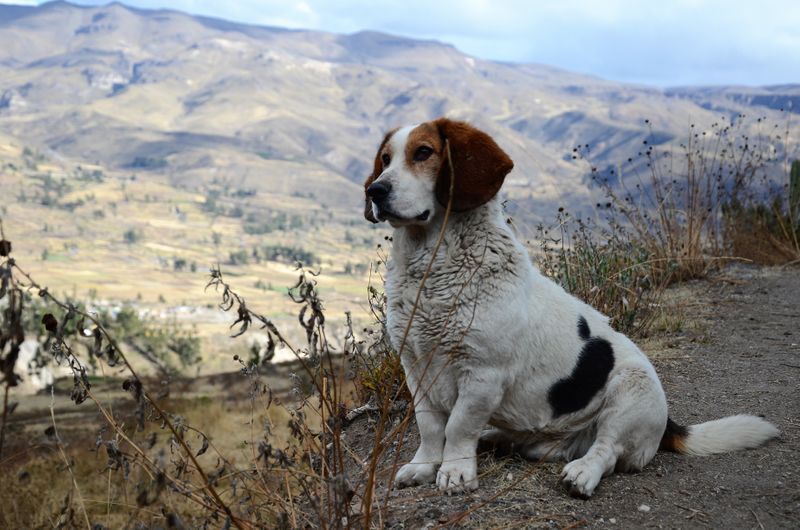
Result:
x=674 y=436
x=675 y=428
x=589 y=376
x=583 y=329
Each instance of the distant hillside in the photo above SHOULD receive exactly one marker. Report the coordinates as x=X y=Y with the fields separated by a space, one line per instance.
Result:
x=138 y=148
x=289 y=112
x=725 y=99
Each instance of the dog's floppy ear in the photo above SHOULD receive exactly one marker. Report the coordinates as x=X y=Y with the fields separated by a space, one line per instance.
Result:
x=479 y=164
x=377 y=169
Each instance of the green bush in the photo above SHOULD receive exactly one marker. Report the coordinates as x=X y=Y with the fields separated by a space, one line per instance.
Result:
x=132 y=236
x=148 y=163
x=289 y=255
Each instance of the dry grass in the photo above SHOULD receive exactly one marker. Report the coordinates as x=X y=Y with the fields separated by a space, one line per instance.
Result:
x=42 y=491
x=670 y=215
x=685 y=207
x=765 y=227
x=608 y=268
x=266 y=460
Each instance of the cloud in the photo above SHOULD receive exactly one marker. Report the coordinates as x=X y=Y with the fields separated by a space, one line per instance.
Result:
x=663 y=43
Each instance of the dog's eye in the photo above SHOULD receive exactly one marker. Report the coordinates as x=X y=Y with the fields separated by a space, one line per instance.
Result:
x=386 y=159
x=422 y=153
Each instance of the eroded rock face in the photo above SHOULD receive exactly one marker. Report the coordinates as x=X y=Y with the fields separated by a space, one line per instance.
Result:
x=12 y=100
x=103 y=79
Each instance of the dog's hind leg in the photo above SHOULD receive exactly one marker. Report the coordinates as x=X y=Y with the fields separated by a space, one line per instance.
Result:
x=533 y=446
x=566 y=449
x=629 y=429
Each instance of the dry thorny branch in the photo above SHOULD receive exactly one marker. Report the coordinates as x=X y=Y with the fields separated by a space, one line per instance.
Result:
x=123 y=449
x=307 y=481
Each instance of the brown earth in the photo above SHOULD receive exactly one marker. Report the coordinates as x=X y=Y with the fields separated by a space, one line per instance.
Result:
x=738 y=351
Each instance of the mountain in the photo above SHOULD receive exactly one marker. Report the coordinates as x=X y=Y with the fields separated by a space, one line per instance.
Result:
x=293 y=112
x=139 y=147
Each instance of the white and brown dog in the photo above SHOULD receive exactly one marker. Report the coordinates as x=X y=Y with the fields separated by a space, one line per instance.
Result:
x=491 y=341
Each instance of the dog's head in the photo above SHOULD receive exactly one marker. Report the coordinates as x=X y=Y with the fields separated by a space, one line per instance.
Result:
x=411 y=178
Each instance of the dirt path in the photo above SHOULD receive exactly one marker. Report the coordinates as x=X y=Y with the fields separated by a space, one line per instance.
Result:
x=740 y=353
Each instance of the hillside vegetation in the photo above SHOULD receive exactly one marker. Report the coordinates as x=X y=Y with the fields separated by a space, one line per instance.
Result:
x=128 y=239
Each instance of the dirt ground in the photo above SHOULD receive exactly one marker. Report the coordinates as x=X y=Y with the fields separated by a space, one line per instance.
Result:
x=737 y=350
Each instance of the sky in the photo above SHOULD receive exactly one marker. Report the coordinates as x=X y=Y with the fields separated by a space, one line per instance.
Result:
x=661 y=43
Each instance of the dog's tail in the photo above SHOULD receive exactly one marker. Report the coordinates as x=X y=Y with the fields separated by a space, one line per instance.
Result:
x=718 y=436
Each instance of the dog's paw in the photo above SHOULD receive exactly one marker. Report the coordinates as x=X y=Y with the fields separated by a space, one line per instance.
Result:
x=459 y=475
x=581 y=477
x=413 y=474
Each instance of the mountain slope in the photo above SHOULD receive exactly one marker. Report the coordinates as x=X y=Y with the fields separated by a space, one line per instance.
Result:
x=139 y=147
x=113 y=84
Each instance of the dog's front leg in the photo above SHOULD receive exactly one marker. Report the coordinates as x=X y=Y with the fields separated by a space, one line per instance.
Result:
x=478 y=397
x=431 y=425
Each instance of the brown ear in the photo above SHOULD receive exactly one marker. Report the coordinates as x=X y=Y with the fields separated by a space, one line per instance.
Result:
x=377 y=169
x=479 y=164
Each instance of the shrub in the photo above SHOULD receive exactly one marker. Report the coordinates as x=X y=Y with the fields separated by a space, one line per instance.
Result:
x=608 y=268
x=160 y=344
x=132 y=236
x=258 y=229
x=148 y=163
x=210 y=204
x=674 y=201
x=239 y=257
x=156 y=454
x=764 y=226
x=289 y=255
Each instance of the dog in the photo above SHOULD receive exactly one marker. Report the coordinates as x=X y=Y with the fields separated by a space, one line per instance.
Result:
x=486 y=340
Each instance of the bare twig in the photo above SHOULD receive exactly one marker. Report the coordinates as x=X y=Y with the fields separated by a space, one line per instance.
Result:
x=67 y=463
x=377 y=450
x=5 y=416
x=760 y=525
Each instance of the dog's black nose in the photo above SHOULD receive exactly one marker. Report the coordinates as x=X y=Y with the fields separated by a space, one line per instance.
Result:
x=378 y=191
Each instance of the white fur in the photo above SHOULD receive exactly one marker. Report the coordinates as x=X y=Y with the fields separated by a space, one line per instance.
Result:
x=728 y=434
x=489 y=338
